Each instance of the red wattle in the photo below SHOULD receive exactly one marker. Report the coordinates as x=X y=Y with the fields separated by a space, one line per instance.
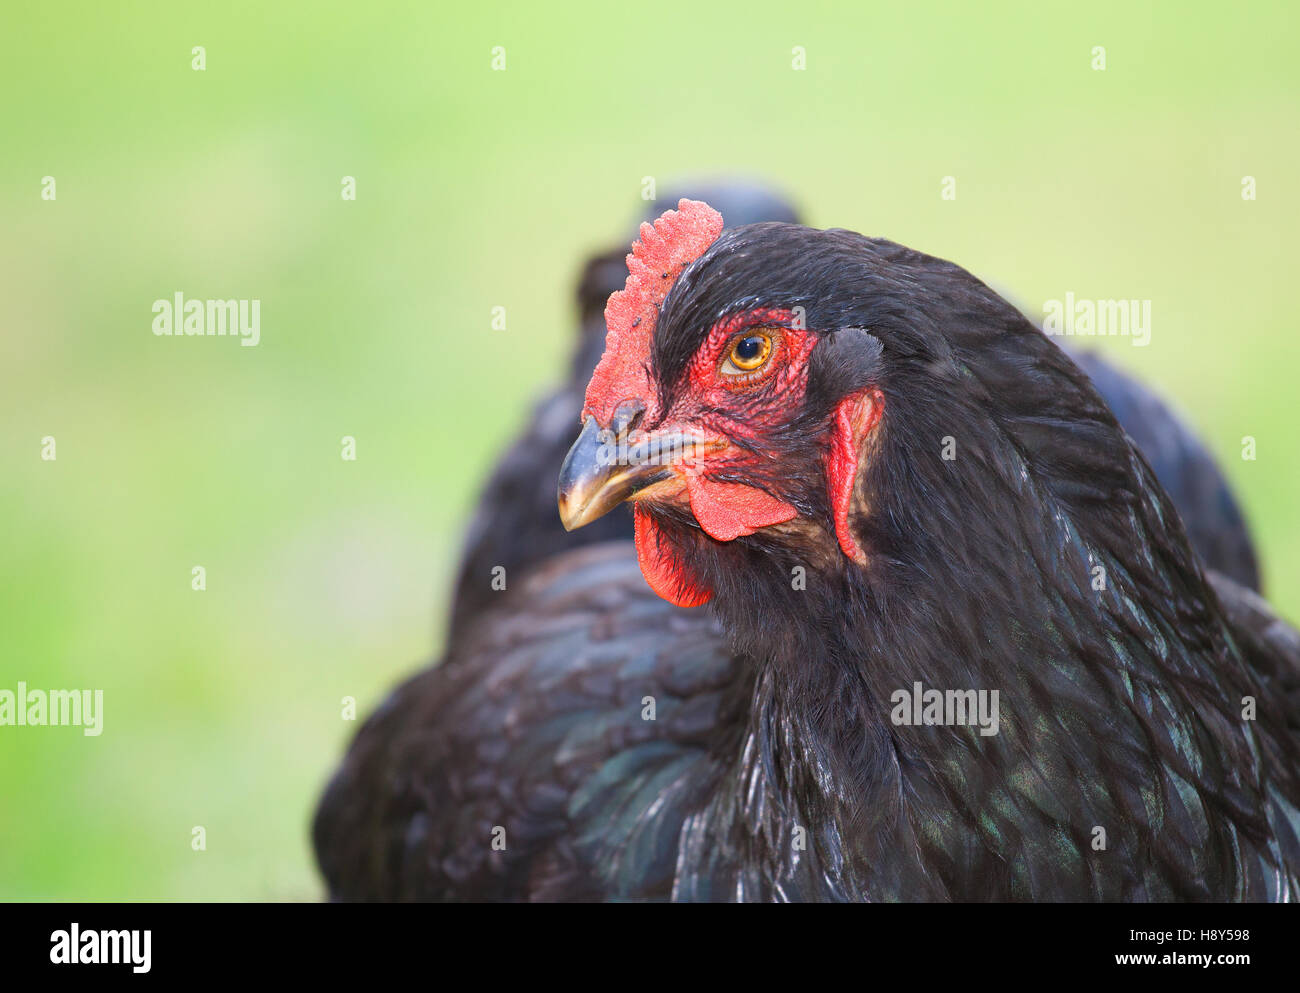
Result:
x=666 y=574
x=729 y=510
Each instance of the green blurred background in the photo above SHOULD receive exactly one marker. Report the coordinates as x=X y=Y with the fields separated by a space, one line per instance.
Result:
x=478 y=189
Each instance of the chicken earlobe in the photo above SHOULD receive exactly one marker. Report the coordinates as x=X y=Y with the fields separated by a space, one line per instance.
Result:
x=855 y=417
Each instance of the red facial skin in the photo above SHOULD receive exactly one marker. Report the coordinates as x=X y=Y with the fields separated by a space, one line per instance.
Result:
x=724 y=510
x=727 y=510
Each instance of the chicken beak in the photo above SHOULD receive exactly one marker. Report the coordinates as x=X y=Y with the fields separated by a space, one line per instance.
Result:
x=602 y=470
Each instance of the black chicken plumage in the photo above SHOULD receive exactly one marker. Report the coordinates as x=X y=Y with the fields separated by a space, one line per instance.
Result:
x=1185 y=468
x=515 y=525
x=534 y=724
x=1124 y=706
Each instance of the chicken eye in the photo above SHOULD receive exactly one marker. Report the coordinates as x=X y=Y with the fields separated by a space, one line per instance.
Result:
x=748 y=353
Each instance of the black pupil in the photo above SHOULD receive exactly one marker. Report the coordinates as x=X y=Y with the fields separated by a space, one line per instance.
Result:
x=749 y=348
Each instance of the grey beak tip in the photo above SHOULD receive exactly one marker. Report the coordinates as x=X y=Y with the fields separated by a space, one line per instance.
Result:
x=574 y=473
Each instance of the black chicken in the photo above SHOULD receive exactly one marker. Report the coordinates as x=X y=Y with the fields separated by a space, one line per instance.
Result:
x=515 y=525
x=799 y=482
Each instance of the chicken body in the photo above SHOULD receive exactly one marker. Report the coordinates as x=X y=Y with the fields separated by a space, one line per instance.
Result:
x=585 y=739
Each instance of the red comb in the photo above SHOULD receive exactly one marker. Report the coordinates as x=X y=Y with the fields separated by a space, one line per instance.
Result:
x=662 y=251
